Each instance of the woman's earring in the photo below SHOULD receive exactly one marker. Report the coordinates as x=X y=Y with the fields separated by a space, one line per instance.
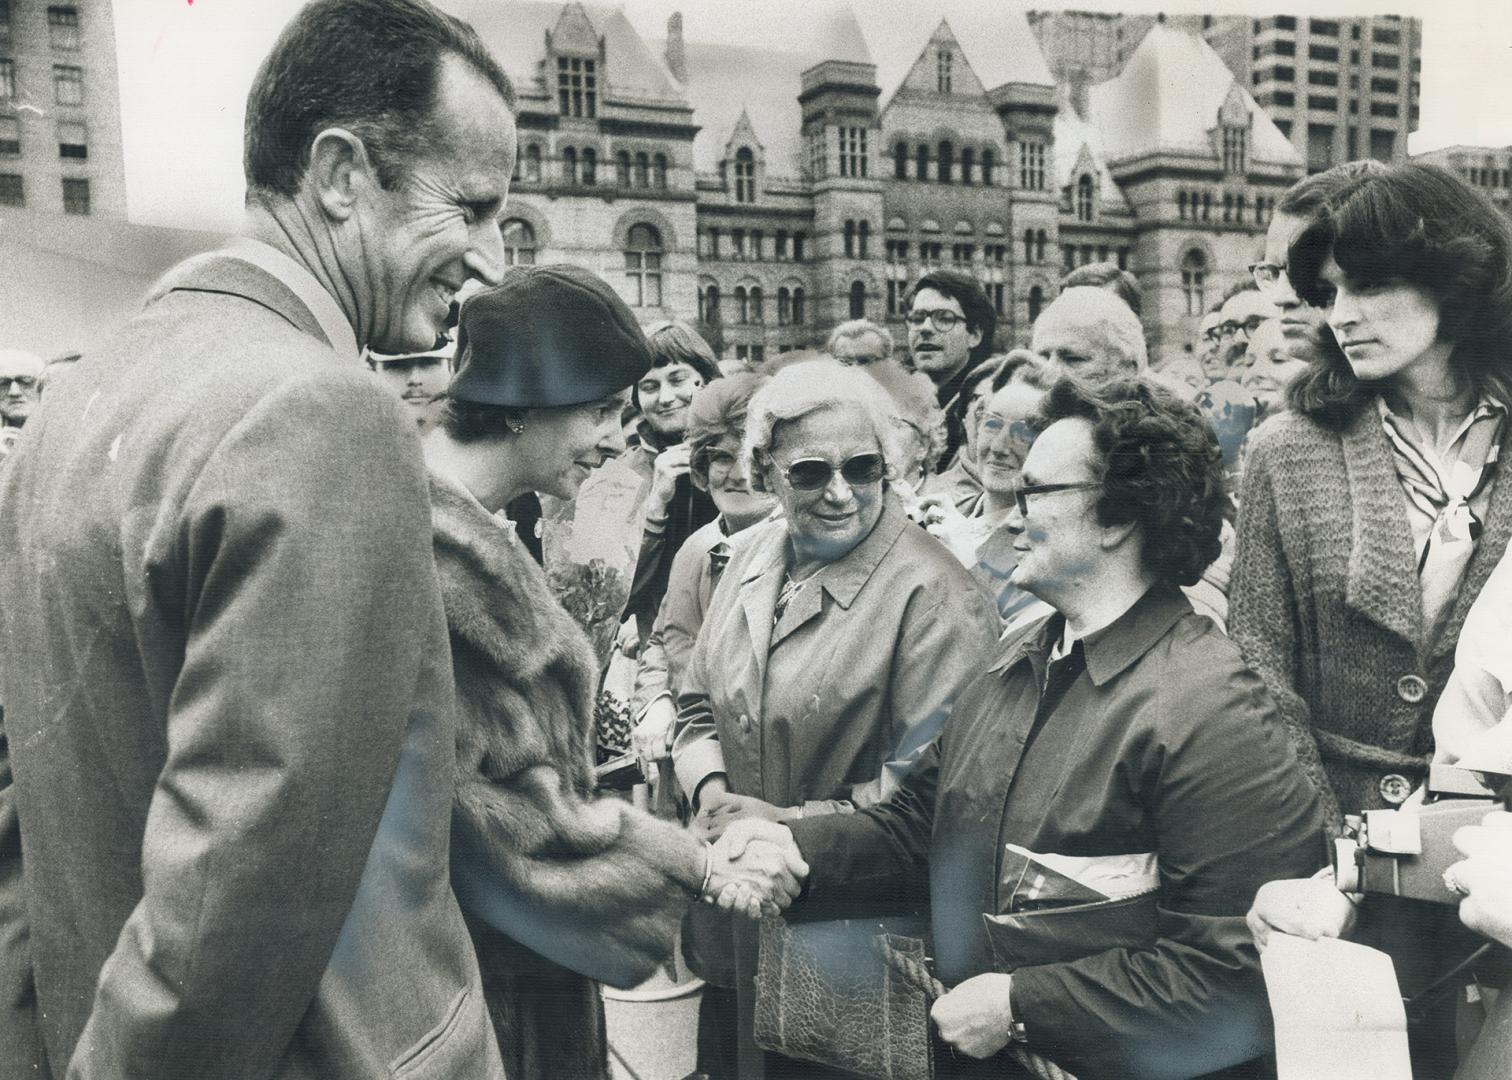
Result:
x=515 y=424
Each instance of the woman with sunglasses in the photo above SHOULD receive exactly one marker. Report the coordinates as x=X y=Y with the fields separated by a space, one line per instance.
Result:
x=1373 y=511
x=836 y=641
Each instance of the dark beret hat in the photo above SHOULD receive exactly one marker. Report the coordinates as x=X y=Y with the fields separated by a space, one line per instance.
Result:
x=547 y=336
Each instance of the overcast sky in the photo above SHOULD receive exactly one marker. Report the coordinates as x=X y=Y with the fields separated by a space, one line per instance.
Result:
x=185 y=66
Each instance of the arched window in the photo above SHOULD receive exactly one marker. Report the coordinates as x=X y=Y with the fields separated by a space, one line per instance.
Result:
x=1207 y=206
x=533 y=163
x=1084 y=198
x=519 y=243
x=858 y=300
x=1039 y=246
x=921 y=162
x=643 y=259
x=708 y=305
x=758 y=310
x=569 y=166
x=850 y=238
x=798 y=306
x=642 y=170
x=968 y=162
x=1181 y=201
x=1239 y=209
x=900 y=161
x=1193 y=278
x=622 y=169
x=659 y=171
x=1028 y=245
x=1036 y=301
x=784 y=306
x=947 y=160
x=988 y=160
x=590 y=165
x=863 y=237
x=745 y=175
x=742 y=305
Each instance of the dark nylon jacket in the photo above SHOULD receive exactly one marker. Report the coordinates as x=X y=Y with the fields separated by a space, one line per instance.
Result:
x=1165 y=744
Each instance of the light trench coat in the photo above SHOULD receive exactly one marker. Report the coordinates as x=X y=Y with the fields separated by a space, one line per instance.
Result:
x=828 y=708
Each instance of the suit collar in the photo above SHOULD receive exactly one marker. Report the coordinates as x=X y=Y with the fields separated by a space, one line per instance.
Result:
x=1382 y=583
x=258 y=272
x=1109 y=651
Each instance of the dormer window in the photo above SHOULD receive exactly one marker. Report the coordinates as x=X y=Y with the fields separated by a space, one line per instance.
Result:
x=745 y=175
x=944 y=59
x=577 y=86
x=1235 y=150
x=1084 y=198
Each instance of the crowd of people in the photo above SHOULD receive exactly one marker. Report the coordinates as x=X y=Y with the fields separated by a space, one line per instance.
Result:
x=1000 y=705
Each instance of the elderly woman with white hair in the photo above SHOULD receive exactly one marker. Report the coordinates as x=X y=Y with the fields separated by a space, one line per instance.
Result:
x=839 y=636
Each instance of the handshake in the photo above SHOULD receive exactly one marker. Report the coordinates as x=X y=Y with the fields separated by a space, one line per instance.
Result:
x=754 y=868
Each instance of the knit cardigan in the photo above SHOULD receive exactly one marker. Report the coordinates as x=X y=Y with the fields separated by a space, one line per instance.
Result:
x=1326 y=606
x=550 y=878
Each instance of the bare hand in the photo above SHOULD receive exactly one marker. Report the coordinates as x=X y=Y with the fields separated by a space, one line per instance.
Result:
x=938 y=512
x=1485 y=876
x=718 y=810
x=756 y=875
x=652 y=737
x=671 y=463
x=1312 y=908
x=976 y=1017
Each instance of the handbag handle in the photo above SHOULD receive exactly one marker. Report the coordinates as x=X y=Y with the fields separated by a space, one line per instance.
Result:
x=916 y=973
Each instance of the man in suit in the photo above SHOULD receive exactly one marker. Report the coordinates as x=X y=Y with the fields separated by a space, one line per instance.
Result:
x=1106 y=798
x=227 y=680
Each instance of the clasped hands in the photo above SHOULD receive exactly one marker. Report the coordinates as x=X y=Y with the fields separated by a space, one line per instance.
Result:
x=755 y=868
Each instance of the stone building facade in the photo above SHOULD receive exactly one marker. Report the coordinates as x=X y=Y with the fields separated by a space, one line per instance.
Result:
x=770 y=193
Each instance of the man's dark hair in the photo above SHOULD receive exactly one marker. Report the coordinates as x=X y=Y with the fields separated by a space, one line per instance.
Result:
x=369 y=66
x=1106 y=275
x=968 y=292
x=677 y=342
x=1159 y=465
x=1307 y=196
x=1419 y=225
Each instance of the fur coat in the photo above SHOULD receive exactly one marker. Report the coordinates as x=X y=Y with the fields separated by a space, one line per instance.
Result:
x=582 y=888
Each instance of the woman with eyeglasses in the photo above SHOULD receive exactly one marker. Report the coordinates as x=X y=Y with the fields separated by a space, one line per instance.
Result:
x=1373 y=513
x=835 y=643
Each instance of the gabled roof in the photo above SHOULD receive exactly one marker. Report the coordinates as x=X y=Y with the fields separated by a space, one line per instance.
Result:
x=574 y=32
x=1079 y=149
x=1167 y=100
x=515 y=32
x=1000 y=48
x=744 y=133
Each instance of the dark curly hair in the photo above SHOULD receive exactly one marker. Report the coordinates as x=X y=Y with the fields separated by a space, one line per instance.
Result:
x=1159 y=465
x=1412 y=224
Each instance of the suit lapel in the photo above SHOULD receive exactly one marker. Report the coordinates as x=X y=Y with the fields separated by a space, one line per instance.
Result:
x=1383 y=585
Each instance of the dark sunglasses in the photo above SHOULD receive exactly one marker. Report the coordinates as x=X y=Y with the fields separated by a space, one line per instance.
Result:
x=25 y=382
x=1021 y=492
x=815 y=474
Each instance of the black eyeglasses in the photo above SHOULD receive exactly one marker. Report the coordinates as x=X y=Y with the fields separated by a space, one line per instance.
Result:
x=815 y=474
x=1021 y=492
x=1266 y=274
x=944 y=319
x=25 y=382
x=1247 y=327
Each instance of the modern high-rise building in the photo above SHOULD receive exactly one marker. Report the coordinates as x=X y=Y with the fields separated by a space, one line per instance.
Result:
x=1340 y=88
x=60 y=116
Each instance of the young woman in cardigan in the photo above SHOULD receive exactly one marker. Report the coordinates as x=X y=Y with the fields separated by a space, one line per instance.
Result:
x=1372 y=511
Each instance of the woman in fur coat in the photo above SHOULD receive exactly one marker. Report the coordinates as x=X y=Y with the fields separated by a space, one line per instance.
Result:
x=588 y=889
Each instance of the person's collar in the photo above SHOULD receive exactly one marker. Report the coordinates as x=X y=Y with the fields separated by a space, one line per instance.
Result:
x=333 y=321
x=652 y=439
x=1114 y=647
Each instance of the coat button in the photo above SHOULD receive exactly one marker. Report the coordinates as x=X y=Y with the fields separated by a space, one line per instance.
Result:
x=1395 y=788
x=1411 y=689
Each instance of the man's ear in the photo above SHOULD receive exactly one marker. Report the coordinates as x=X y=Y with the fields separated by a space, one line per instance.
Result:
x=340 y=171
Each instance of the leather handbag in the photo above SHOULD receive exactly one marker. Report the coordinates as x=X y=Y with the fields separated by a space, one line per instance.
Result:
x=825 y=993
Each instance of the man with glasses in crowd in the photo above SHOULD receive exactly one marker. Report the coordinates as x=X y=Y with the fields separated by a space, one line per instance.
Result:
x=950 y=325
x=1244 y=308
x=1114 y=940
x=20 y=379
